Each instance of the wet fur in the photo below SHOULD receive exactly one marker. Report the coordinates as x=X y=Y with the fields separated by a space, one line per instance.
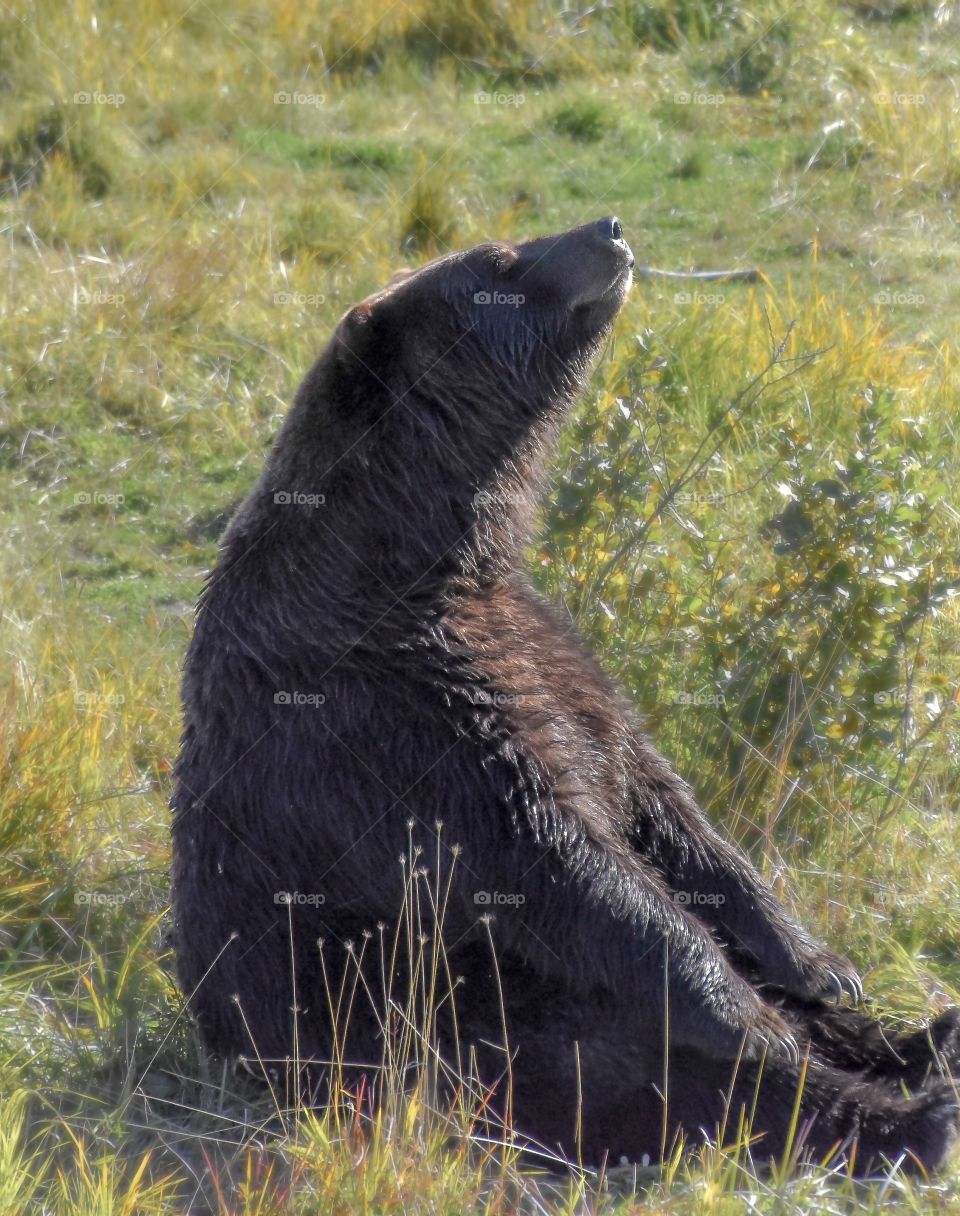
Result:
x=454 y=694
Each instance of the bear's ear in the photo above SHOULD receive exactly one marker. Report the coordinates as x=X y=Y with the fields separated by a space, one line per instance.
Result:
x=359 y=325
x=371 y=320
x=367 y=341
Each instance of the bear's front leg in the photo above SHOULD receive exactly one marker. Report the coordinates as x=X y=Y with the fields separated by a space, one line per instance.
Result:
x=601 y=922
x=717 y=882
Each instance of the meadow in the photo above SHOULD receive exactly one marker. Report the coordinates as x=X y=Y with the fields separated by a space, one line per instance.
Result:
x=753 y=516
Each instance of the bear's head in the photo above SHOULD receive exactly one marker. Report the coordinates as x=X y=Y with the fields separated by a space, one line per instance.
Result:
x=423 y=425
x=489 y=339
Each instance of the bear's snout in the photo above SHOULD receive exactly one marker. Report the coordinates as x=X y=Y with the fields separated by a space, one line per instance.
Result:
x=583 y=266
x=609 y=229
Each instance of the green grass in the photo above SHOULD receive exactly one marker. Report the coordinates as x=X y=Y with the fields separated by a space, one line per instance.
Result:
x=176 y=252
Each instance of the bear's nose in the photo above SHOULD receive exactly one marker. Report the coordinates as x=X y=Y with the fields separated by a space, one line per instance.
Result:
x=611 y=230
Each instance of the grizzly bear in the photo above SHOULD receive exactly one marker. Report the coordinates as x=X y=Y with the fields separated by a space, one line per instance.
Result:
x=372 y=666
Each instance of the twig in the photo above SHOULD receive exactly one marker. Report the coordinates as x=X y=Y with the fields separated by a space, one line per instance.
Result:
x=751 y=275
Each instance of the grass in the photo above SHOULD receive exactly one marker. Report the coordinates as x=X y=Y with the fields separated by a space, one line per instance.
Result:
x=190 y=195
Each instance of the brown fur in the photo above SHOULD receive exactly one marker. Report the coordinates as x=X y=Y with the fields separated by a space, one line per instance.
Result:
x=452 y=693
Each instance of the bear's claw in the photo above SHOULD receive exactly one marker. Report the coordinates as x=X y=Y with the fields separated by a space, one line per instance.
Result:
x=846 y=983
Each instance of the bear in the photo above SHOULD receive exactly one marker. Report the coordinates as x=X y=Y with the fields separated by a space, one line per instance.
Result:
x=373 y=676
